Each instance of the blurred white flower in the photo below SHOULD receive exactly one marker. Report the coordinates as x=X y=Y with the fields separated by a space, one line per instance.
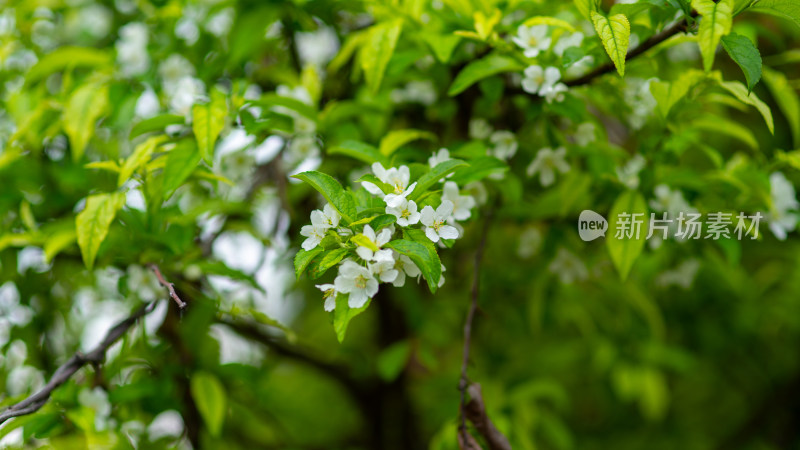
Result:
x=505 y=144
x=422 y=92
x=167 y=424
x=530 y=240
x=682 y=276
x=132 y=55
x=357 y=281
x=317 y=47
x=173 y=69
x=532 y=40
x=565 y=42
x=783 y=212
x=239 y=250
x=585 y=134
x=220 y=23
x=435 y=222
x=329 y=295
x=568 y=267
x=188 y=91
x=546 y=163
x=629 y=173
x=143 y=283
x=10 y=308
x=406 y=213
x=404 y=267
x=97 y=400
x=147 y=105
x=439 y=157
x=479 y=129
x=23 y=379
x=462 y=204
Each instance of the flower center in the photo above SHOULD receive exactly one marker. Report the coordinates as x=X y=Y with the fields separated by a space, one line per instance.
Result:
x=405 y=214
x=532 y=42
x=437 y=224
x=398 y=188
x=329 y=293
x=361 y=282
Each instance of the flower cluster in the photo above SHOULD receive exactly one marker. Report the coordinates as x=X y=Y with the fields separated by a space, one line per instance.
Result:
x=369 y=261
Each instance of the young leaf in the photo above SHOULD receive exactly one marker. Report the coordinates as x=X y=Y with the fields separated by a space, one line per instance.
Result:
x=333 y=192
x=157 y=123
x=552 y=21
x=789 y=9
x=442 y=45
x=614 y=32
x=84 y=107
x=343 y=314
x=398 y=138
x=272 y=100
x=181 y=162
x=424 y=256
x=432 y=176
x=377 y=50
x=746 y=55
x=787 y=100
x=360 y=151
x=716 y=22
x=586 y=7
x=475 y=71
x=210 y=398
x=140 y=156
x=63 y=57
x=484 y=24
x=208 y=120
x=303 y=258
x=386 y=188
x=93 y=222
x=624 y=250
x=749 y=98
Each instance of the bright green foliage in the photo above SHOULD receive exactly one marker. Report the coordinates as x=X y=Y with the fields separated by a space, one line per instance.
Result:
x=482 y=68
x=84 y=107
x=746 y=55
x=716 y=21
x=208 y=122
x=332 y=191
x=377 y=51
x=626 y=247
x=615 y=32
x=209 y=395
x=93 y=222
x=789 y=9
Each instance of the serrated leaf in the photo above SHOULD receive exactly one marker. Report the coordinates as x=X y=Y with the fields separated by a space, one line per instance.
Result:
x=84 y=107
x=398 y=138
x=360 y=151
x=787 y=100
x=746 y=55
x=749 y=98
x=434 y=175
x=333 y=192
x=210 y=398
x=157 y=123
x=343 y=314
x=377 y=50
x=551 y=21
x=423 y=255
x=180 y=163
x=93 y=222
x=382 y=221
x=789 y=9
x=140 y=156
x=303 y=258
x=485 y=67
x=614 y=31
x=331 y=258
x=208 y=121
x=625 y=250
x=716 y=22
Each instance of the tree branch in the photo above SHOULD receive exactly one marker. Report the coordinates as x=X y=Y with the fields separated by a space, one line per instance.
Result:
x=170 y=287
x=34 y=402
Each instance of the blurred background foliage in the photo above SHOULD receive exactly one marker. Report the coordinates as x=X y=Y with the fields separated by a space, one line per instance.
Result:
x=696 y=349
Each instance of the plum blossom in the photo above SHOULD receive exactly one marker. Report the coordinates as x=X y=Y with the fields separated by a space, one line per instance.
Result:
x=357 y=281
x=533 y=40
x=329 y=295
x=368 y=254
x=406 y=213
x=462 y=204
x=547 y=161
x=783 y=214
x=435 y=222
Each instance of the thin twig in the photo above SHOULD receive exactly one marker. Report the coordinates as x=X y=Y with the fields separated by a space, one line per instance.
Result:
x=34 y=402
x=464 y=381
x=169 y=286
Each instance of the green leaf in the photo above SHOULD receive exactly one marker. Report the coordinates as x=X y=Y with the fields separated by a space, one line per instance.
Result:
x=181 y=163
x=749 y=98
x=58 y=241
x=303 y=258
x=716 y=22
x=157 y=123
x=210 y=398
x=140 y=156
x=64 y=57
x=84 y=107
x=386 y=188
x=393 y=359
x=382 y=221
x=377 y=50
x=93 y=222
x=332 y=258
x=111 y=166
x=479 y=168
x=423 y=255
x=442 y=45
x=746 y=55
x=343 y=314
x=551 y=21
x=586 y=7
x=475 y=71
x=668 y=94
x=333 y=192
x=624 y=251
x=787 y=100
x=363 y=241
x=727 y=127
x=789 y=9
x=272 y=100
x=360 y=151
x=398 y=138
x=434 y=175
x=614 y=32
x=208 y=121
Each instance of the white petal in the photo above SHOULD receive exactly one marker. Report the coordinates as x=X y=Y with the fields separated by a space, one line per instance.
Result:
x=426 y=216
x=431 y=233
x=388 y=275
x=311 y=243
x=445 y=209
x=448 y=232
x=364 y=253
x=372 y=188
x=330 y=303
x=369 y=232
x=357 y=298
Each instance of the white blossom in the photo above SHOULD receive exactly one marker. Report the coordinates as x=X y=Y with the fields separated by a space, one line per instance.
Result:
x=505 y=144
x=479 y=129
x=783 y=214
x=547 y=161
x=368 y=254
x=314 y=233
x=568 y=267
x=317 y=47
x=532 y=40
x=357 y=281
x=384 y=270
x=565 y=42
x=585 y=134
x=397 y=178
x=629 y=173
x=404 y=267
x=462 y=204
x=328 y=217
x=329 y=295
x=439 y=157
x=132 y=55
x=188 y=91
x=406 y=213
x=435 y=222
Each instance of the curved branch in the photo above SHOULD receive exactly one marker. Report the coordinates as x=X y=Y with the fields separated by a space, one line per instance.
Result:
x=34 y=402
